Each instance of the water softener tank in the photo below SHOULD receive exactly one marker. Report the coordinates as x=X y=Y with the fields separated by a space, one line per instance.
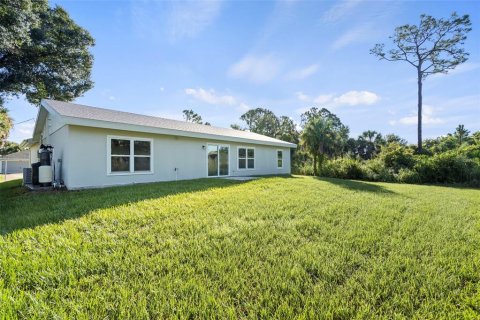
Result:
x=45 y=175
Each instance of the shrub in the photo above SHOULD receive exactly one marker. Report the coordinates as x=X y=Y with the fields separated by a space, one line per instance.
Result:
x=408 y=176
x=375 y=170
x=305 y=169
x=343 y=168
x=448 y=167
x=396 y=156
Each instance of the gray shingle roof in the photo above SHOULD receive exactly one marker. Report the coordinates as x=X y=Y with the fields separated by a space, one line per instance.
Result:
x=92 y=113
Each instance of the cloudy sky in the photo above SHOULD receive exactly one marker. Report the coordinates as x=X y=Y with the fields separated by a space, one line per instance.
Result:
x=222 y=58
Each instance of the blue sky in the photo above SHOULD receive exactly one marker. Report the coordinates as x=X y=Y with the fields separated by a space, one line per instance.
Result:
x=222 y=58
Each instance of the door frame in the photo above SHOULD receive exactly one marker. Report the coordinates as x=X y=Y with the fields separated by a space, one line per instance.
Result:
x=218 y=165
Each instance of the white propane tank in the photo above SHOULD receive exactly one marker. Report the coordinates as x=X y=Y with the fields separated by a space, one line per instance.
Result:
x=45 y=175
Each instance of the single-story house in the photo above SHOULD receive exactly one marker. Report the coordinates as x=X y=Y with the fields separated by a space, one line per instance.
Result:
x=14 y=162
x=95 y=147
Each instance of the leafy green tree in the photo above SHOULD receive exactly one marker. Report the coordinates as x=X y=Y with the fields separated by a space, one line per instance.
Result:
x=461 y=134
x=9 y=147
x=6 y=124
x=43 y=52
x=396 y=156
x=236 y=127
x=261 y=121
x=391 y=138
x=434 y=46
x=192 y=116
x=476 y=137
x=287 y=130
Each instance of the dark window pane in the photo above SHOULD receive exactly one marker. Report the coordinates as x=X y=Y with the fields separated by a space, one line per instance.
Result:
x=141 y=148
x=120 y=147
x=279 y=163
x=142 y=164
x=251 y=153
x=223 y=153
x=251 y=164
x=120 y=164
x=280 y=155
x=241 y=163
x=242 y=153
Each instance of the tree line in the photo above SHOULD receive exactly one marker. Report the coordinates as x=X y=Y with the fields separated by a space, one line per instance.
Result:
x=45 y=54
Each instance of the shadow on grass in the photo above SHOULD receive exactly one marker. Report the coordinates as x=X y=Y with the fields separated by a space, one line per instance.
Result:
x=20 y=209
x=356 y=185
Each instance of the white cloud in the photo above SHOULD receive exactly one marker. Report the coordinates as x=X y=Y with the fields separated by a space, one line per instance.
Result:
x=111 y=98
x=187 y=19
x=340 y=10
x=356 y=34
x=174 y=20
x=323 y=98
x=353 y=98
x=302 y=96
x=350 y=98
x=258 y=69
x=427 y=118
x=210 y=97
x=303 y=73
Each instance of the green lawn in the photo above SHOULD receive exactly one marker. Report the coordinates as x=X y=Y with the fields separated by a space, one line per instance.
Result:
x=284 y=248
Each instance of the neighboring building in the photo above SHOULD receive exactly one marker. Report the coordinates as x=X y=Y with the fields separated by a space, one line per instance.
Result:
x=15 y=162
x=96 y=147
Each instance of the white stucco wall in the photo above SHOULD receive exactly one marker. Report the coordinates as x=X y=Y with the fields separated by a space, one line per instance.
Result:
x=84 y=153
x=61 y=143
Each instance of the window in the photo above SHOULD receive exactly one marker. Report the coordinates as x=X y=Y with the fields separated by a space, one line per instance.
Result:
x=279 y=159
x=217 y=160
x=246 y=158
x=129 y=155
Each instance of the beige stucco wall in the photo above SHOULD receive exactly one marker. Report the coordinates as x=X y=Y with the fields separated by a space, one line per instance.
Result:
x=84 y=152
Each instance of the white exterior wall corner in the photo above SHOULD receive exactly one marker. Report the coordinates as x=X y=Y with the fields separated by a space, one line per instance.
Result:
x=60 y=142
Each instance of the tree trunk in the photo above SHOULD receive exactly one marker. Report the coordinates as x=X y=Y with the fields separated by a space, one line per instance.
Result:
x=314 y=164
x=419 y=128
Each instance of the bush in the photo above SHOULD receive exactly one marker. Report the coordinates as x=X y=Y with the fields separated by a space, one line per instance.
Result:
x=408 y=176
x=396 y=156
x=343 y=168
x=448 y=167
x=375 y=170
x=305 y=169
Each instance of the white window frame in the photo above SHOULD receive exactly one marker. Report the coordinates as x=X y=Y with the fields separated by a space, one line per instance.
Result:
x=132 y=156
x=279 y=158
x=246 y=158
x=218 y=166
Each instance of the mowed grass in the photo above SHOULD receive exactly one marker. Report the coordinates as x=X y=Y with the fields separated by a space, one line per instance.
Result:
x=285 y=248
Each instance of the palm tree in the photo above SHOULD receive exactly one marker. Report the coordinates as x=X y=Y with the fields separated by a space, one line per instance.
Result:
x=369 y=143
x=318 y=137
x=461 y=133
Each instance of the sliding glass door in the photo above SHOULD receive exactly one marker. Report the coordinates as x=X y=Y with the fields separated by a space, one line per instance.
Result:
x=217 y=160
